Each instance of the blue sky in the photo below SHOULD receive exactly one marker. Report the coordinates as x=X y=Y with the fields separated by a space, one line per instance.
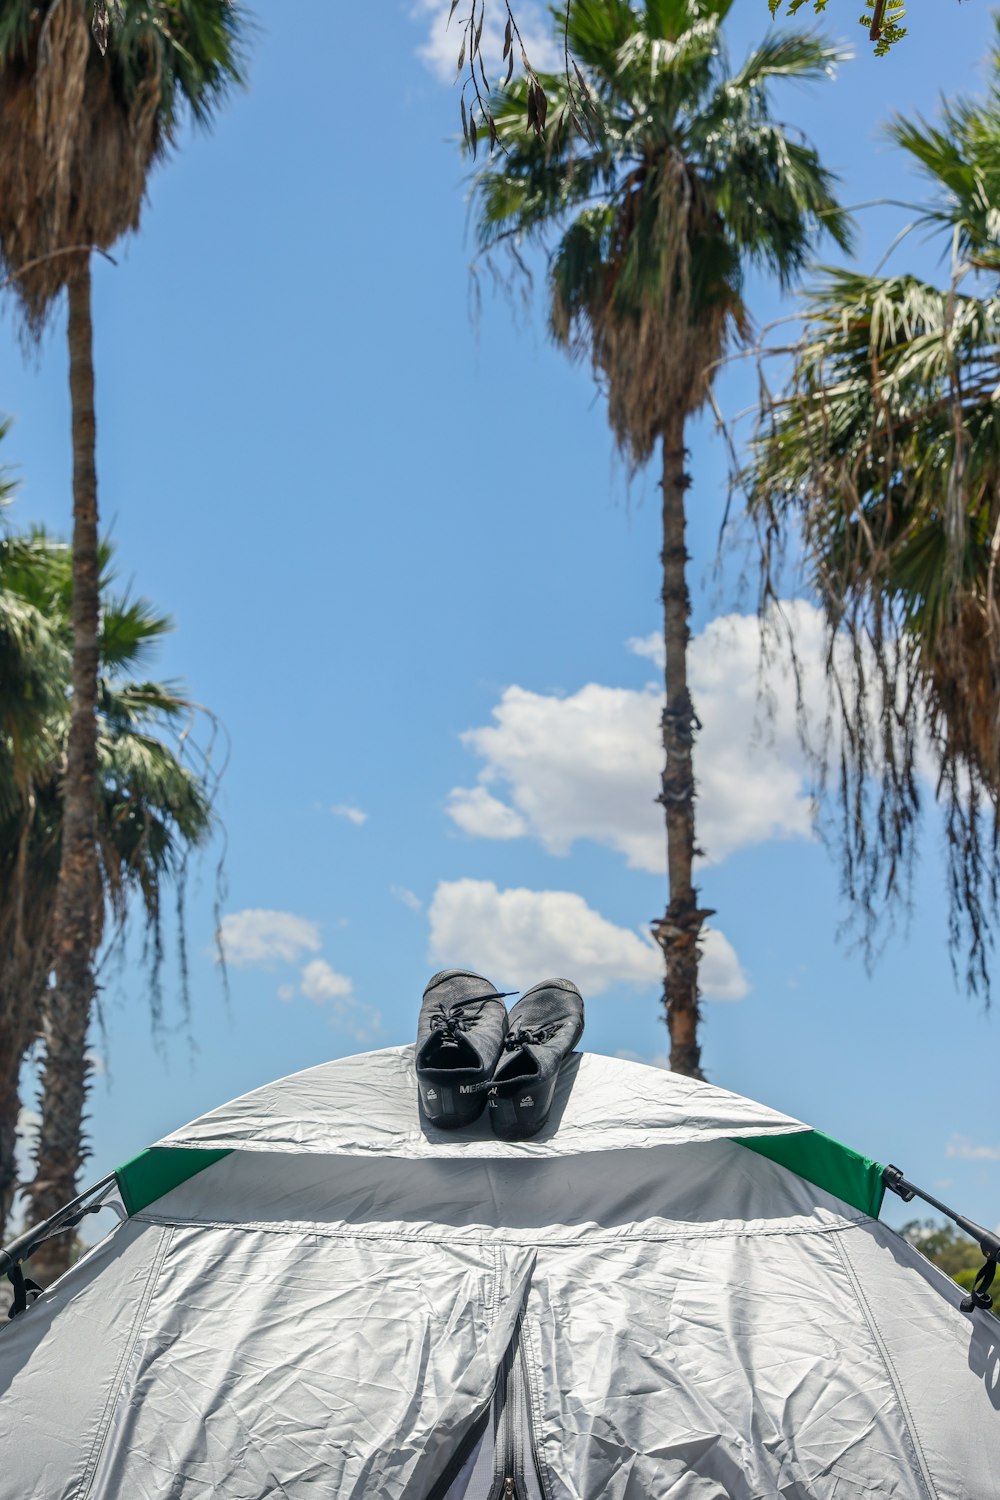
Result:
x=408 y=577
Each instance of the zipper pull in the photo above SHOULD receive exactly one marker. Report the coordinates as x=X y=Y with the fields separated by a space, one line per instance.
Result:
x=508 y=1490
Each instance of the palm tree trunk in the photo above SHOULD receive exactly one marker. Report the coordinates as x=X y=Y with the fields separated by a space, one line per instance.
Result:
x=10 y=1108
x=20 y=1011
x=678 y=932
x=60 y=1150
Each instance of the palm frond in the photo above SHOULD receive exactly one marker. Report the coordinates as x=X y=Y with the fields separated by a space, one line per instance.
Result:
x=883 y=453
x=658 y=175
x=155 y=799
x=598 y=29
x=788 y=54
x=195 y=49
x=130 y=630
x=16 y=17
x=82 y=127
x=960 y=157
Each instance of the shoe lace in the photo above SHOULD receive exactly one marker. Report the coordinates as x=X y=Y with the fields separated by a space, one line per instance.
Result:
x=455 y=1020
x=530 y=1036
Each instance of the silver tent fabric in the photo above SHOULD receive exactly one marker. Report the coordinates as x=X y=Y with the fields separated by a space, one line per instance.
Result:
x=365 y=1105
x=331 y=1309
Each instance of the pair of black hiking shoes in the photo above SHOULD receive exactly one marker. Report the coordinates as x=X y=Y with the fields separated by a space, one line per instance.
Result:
x=471 y=1053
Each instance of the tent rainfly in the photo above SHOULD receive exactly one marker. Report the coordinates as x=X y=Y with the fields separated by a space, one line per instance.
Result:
x=672 y=1292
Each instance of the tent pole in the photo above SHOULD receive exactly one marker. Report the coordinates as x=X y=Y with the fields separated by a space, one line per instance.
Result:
x=65 y=1218
x=988 y=1242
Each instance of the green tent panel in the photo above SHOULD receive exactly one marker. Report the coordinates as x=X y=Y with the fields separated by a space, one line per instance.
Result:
x=845 y=1174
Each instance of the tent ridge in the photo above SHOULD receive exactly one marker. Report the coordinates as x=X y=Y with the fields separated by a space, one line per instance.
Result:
x=405 y=1147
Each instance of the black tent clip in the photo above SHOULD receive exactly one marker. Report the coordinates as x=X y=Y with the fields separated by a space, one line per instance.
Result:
x=25 y=1291
x=988 y=1242
x=980 y=1295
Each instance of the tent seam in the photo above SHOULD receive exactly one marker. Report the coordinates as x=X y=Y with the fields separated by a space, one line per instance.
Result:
x=890 y=1369
x=270 y=1226
x=118 y=1380
x=493 y=1310
x=534 y=1382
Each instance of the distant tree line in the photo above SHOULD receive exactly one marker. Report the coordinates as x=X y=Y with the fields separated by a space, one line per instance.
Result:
x=947 y=1248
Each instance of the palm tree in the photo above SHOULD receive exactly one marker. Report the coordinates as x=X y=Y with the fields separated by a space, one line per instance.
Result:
x=883 y=454
x=152 y=808
x=661 y=175
x=32 y=667
x=91 y=93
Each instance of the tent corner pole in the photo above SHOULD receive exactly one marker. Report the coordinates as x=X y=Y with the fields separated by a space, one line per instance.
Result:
x=988 y=1242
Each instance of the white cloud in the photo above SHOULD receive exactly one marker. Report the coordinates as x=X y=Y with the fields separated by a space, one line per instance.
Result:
x=321 y=982
x=478 y=812
x=720 y=973
x=587 y=766
x=408 y=897
x=260 y=936
x=521 y=936
x=440 y=49
x=965 y=1150
x=256 y=937
x=649 y=646
x=264 y=937
x=324 y=986
x=352 y=814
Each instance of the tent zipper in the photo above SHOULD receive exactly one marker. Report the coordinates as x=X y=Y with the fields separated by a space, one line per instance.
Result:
x=524 y=1389
x=514 y=1437
x=504 y=1450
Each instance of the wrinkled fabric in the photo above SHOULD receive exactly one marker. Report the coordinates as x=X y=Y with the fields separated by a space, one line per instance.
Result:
x=61 y=1363
x=284 y=1364
x=368 y=1105
x=693 y=1321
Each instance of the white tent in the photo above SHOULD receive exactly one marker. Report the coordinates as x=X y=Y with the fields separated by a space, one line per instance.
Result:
x=671 y=1292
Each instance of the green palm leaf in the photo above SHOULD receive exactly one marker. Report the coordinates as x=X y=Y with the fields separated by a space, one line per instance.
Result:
x=653 y=185
x=883 y=455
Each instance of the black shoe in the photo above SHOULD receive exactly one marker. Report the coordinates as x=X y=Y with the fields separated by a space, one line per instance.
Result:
x=545 y=1026
x=460 y=1034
